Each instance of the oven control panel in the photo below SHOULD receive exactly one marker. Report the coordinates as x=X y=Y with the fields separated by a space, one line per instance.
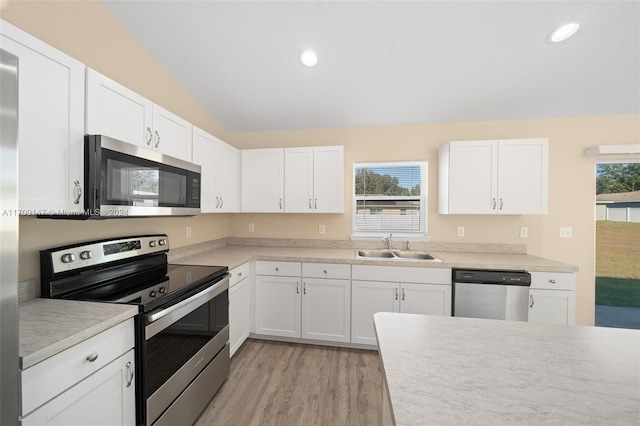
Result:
x=95 y=253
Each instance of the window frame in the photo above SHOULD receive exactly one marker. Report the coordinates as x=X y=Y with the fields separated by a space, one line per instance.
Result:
x=421 y=234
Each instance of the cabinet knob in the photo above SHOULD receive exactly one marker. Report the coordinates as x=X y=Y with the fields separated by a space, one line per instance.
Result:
x=78 y=192
x=92 y=357
x=325 y=271
x=552 y=281
x=277 y=269
x=239 y=274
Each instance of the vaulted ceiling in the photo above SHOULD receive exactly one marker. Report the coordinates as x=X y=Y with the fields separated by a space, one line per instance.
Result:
x=392 y=62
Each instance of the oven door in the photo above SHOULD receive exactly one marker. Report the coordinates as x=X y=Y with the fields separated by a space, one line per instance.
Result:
x=127 y=180
x=180 y=343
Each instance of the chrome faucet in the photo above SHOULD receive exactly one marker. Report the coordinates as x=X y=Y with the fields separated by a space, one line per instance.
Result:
x=388 y=241
x=407 y=245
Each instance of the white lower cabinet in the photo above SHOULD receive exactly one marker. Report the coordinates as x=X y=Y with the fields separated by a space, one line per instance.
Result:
x=107 y=397
x=309 y=301
x=428 y=294
x=92 y=382
x=552 y=298
x=239 y=306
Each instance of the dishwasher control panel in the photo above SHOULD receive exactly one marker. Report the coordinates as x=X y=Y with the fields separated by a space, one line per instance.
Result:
x=486 y=276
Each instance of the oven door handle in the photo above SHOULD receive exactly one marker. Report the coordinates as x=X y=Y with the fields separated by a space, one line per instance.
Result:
x=153 y=326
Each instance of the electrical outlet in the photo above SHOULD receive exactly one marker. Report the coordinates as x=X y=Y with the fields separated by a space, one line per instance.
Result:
x=566 y=232
x=188 y=232
x=320 y=229
x=460 y=231
x=524 y=232
x=251 y=227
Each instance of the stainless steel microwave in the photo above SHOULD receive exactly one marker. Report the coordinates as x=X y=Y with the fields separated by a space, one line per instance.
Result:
x=124 y=180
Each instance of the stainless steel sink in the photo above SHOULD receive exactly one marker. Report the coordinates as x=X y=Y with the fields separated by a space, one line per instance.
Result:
x=395 y=255
x=404 y=254
x=385 y=254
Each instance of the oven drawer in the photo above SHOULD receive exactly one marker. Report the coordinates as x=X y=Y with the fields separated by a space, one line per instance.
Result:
x=54 y=375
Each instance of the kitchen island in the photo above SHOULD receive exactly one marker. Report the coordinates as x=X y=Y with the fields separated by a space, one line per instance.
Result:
x=452 y=370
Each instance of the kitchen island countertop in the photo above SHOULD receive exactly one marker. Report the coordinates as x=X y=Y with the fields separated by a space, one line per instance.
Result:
x=450 y=370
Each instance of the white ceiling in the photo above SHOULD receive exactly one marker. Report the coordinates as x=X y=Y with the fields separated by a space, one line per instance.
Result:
x=391 y=62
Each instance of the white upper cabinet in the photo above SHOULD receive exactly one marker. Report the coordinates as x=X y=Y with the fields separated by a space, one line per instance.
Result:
x=220 y=162
x=293 y=180
x=51 y=125
x=494 y=177
x=262 y=181
x=314 y=179
x=115 y=111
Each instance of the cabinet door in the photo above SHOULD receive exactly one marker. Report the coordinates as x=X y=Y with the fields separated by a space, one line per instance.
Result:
x=106 y=397
x=228 y=178
x=262 y=181
x=117 y=112
x=368 y=298
x=298 y=180
x=51 y=124
x=278 y=305
x=552 y=306
x=426 y=299
x=326 y=309
x=328 y=179
x=523 y=176
x=238 y=314
x=473 y=177
x=204 y=154
x=171 y=134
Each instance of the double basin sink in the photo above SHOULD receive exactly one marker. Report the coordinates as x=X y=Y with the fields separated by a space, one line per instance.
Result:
x=395 y=255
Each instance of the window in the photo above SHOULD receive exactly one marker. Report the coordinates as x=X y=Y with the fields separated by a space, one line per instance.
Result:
x=389 y=198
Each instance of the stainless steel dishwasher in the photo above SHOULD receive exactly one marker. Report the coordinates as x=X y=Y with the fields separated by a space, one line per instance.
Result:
x=491 y=294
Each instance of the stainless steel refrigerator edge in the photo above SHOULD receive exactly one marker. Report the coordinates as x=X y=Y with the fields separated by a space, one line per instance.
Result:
x=9 y=240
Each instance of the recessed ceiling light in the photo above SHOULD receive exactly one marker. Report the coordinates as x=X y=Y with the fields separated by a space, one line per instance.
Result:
x=308 y=58
x=562 y=33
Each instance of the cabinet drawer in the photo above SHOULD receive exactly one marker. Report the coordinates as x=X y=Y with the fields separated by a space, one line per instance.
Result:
x=553 y=281
x=398 y=274
x=239 y=273
x=279 y=269
x=52 y=376
x=326 y=270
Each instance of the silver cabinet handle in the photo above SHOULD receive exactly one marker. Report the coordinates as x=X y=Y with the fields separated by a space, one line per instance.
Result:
x=130 y=373
x=217 y=202
x=78 y=192
x=297 y=287
x=92 y=357
x=221 y=202
x=309 y=203
x=396 y=294
x=552 y=281
x=149 y=136
x=280 y=203
x=403 y=293
x=501 y=203
x=304 y=288
x=315 y=204
x=157 y=139
x=531 y=301
x=494 y=204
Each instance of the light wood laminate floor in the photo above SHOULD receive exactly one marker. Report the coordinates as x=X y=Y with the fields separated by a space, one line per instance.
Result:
x=288 y=384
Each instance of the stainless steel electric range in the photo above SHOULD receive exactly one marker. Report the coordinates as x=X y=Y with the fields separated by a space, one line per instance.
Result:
x=182 y=329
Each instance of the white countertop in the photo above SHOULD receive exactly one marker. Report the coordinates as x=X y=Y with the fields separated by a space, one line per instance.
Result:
x=451 y=370
x=49 y=326
x=233 y=256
